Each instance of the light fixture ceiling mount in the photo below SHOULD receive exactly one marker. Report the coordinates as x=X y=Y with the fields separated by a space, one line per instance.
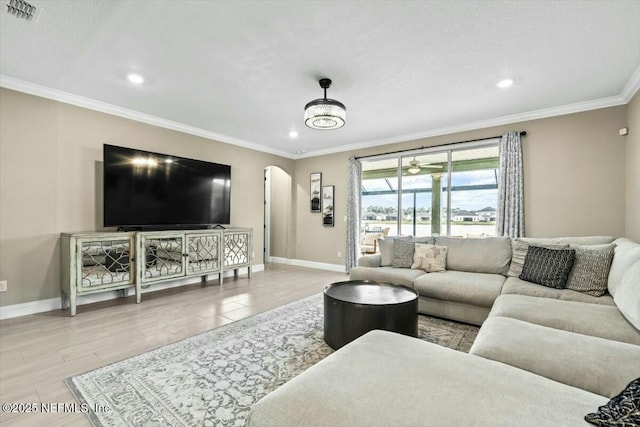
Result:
x=325 y=113
x=505 y=83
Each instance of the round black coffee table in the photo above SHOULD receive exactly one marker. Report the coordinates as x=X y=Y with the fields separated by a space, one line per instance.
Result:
x=355 y=307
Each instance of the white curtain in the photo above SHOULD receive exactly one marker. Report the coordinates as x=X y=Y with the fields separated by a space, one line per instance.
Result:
x=354 y=186
x=510 y=216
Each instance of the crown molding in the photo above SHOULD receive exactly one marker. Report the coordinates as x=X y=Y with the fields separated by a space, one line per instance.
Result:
x=628 y=91
x=623 y=98
x=103 y=107
x=632 y=86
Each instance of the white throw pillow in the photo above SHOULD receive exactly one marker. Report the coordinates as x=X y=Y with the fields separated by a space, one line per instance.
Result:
x=430 y=258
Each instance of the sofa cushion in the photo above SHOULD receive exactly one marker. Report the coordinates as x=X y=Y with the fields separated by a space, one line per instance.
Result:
x=460 y=286
x=514 y=285
x=386 y=379
x=621 y=410
x=370 y=260
x=627 y=296
x=386 y=249
x=427 y=240
x=430 y=258
x=453 y=310
x=626 y=253
x=598 y=320
x=594 y=364
x=590 y=269
x=403 y=253
x=548 y=267
x=519 y=249
x=580 y=240
x=489 y=255
x=399 y=276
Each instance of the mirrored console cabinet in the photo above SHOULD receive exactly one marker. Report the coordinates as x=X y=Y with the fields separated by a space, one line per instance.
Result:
x=95 y=262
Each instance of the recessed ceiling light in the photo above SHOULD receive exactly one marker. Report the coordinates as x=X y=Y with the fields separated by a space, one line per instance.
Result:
x=135 y=78
x=504 y=83
x=293 y=134
x=301 y=151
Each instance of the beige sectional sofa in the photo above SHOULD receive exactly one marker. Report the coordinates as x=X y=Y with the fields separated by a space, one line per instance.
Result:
x=476 y=275
x=543 y=356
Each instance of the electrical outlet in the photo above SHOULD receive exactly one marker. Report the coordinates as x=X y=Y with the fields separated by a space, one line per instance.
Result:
x=339 y=254
x=3 y=286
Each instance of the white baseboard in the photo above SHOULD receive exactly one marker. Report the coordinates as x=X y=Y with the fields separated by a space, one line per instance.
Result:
x=41 y=306
x=310 y=264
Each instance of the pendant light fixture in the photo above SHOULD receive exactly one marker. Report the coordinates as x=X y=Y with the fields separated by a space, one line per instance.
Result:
x=324 y=113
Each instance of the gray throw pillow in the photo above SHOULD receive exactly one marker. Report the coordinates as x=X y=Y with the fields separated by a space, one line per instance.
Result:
x=590 y=270
x=403 y=253
x=386 y=249
x=548 y=267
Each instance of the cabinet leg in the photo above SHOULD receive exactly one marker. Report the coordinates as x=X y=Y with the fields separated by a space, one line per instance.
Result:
x=220 y=277
x=138 y=293
x=249 y=272
x=72 y=306
x=235 y=273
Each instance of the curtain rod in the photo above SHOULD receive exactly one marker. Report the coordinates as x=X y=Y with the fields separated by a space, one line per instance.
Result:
x=522 y=133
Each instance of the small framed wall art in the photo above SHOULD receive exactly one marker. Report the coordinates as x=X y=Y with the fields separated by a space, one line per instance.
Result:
x=315 y=184
x=328 y=214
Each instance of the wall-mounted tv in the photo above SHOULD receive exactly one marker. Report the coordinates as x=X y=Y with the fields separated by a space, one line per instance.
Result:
x=155 y=191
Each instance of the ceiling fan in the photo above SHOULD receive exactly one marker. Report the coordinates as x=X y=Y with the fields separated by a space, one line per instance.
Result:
x=415 y=166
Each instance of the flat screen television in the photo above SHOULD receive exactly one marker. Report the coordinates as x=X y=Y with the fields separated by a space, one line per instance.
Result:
x=145 y=190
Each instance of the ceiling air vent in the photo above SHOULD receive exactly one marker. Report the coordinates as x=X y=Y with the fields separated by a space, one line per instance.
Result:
x=22 y=9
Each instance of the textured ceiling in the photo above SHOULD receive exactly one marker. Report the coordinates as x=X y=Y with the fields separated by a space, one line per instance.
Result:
x=243 y=71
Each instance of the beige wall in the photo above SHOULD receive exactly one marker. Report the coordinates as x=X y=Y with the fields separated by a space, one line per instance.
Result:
x=280 y=212
x=50 y=172
x=315 y=241
x=577 y=169
x=632 y=225
x=574 y=179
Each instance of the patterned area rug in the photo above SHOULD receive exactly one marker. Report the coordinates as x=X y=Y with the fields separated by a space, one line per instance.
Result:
x=212 y=379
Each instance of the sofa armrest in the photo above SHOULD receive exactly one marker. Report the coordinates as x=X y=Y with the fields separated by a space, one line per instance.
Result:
x=370 y=261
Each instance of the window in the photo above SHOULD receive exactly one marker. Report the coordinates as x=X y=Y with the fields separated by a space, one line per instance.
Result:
x=452 y=192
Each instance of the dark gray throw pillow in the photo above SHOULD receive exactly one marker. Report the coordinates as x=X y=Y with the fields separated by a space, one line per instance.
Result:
x=548 y=267
x=622 y=410
x=403 y=253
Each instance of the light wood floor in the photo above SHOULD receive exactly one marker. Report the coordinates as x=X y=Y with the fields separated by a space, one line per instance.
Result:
x=38 y=352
